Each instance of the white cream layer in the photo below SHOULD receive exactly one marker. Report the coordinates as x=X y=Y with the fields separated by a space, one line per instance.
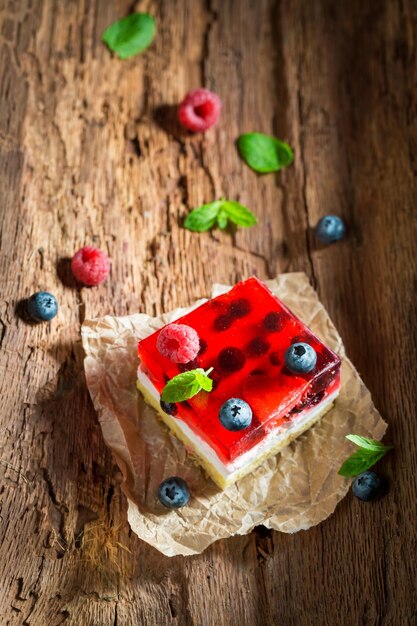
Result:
x=271 y=439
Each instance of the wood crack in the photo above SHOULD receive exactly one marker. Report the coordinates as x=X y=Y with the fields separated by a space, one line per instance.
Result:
x=81 y=306
x=57 y=517
x=28 y=358
x=50 y=487
x=34 y=594
x=304 y=167
x=205 y=52
x=240 y=250
x=3 y=331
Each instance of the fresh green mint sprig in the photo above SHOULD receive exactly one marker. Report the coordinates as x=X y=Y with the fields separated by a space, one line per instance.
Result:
x=370 y=452
x=187 y=385
x=263 y=153
x=130 y=35
x=219 y=213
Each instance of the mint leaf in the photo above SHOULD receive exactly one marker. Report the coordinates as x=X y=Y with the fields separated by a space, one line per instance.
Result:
x=203 y=218
x=221 y=211
x=370 y=452
x=239 y=214
x=222 y=219
x=359 y=462
x=186 y=385
x=203 y=380
x=181 y=387
x=264 y=153
x=130 y=35
x=368 y=444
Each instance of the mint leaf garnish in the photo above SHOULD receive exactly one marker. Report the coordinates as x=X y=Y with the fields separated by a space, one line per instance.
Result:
x=220 y=211
x=264 y=153
x=203 y=379
x=222 y=219
x=239 y=214
x=204 y=217
x=130 y=35
x=370 y=452
x=368 y=444
x=359 y=462
x=187 y=385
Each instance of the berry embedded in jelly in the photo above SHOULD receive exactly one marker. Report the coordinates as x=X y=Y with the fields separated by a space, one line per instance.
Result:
x=240 y=307
x=231 y=359
x=168 y=408
x=257 y=347
x=223 y=322
x=273 y=322
x=244 y=336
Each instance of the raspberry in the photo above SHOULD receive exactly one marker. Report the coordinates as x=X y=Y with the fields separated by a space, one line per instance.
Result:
x=90 y=266
x=178 y=342
x=199 y=110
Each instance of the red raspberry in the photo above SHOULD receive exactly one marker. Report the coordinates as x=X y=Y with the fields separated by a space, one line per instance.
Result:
x=90 y=266
x=178 y=342
x=199 y=110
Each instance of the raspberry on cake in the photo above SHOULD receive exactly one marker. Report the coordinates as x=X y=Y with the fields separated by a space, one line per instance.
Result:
x=178 y=342
x=272 y=379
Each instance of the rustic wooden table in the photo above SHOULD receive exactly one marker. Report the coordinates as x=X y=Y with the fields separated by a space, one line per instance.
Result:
x=90 y=153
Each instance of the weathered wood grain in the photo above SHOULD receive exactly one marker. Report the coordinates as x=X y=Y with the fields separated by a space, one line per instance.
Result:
x=90 y=153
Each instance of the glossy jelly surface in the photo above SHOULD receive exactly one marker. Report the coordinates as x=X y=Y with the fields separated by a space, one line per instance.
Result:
x=244 y=335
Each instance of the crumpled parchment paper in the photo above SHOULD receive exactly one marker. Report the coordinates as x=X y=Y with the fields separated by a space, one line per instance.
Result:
x=294 y=490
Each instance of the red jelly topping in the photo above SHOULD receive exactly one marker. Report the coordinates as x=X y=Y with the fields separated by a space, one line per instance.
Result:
x=244 y=335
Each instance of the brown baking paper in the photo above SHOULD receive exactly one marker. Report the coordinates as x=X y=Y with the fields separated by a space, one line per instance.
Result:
x=294 y=490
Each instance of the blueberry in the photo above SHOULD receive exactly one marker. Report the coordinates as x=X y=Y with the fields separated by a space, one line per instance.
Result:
x=173 y=492
x=168 y=407
x=235 y=414
x=42 y=306
x=231 y=359
x=368 y=486
x=330 y=228
x=240 y=308
x=300 y=358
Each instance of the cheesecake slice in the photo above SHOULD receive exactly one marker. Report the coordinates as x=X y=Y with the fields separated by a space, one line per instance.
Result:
x=244 y=336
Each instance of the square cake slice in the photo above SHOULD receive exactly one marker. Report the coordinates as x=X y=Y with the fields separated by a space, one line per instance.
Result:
x=245 y=335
